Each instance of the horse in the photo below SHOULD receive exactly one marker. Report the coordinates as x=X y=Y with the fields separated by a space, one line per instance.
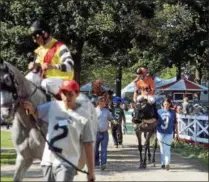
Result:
x=144 y=110
x=28 y=141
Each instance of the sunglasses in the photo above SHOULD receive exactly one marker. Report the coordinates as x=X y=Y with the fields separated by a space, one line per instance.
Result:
x=36 y=34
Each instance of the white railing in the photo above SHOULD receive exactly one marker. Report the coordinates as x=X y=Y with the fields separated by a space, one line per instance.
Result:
x=193 y=128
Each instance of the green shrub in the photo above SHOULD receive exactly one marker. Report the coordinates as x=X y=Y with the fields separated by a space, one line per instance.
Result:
x=192 y=150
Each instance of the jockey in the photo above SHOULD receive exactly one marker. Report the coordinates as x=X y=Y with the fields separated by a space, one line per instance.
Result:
x=52 y=56
x=144 y=86
x=97 y=91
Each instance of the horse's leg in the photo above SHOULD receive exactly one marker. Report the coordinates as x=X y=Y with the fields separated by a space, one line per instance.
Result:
x=138 y=134
x=147 y=143
x=149 y=153
x=154 y=148
x=21 y=167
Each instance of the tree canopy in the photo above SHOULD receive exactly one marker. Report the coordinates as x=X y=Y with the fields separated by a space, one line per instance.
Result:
x=102 y=34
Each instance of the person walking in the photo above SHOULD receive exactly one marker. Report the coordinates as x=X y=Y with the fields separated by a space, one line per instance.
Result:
x=102 y=138
x=70 y=130
x=166 y=123
x=119 y=116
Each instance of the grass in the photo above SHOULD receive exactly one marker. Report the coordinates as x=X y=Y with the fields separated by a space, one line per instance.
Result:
x=5 y=178
x=6 y=141
x=192 y=151
x=8 y=158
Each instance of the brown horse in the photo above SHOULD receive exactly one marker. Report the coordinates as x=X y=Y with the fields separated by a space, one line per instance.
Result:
x=148 y=111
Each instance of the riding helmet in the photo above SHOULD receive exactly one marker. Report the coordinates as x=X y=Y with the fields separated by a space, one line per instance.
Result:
x=39 y=27
x=141 y=70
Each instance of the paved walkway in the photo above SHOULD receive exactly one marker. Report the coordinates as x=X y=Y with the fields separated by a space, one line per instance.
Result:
x=123 y=166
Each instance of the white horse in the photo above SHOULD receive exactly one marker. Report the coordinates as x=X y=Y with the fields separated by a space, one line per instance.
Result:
x=27 y=140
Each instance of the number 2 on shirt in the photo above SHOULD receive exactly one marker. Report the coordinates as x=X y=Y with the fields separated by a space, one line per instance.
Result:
x=58 y=137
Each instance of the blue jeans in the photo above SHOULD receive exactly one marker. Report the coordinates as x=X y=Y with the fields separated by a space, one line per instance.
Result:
x=102 y=138
x=165 y=150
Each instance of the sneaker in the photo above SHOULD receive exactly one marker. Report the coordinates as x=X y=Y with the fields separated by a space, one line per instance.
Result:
x=103 y=167
x=167 y=167
x=97 y=165
x=163 y=166
x=116 y=146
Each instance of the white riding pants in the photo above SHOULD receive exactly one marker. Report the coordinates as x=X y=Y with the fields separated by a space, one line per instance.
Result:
x=151 y=99
x=50 y=85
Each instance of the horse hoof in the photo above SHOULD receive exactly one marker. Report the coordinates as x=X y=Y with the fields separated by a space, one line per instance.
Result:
x=144 y=166
x=154 y=165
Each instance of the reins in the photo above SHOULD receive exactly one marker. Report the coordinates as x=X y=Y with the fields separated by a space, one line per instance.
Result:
x=57 y=154
x=14 y=106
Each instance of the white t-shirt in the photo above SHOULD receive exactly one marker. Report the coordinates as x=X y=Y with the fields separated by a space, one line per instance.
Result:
x=67 y=131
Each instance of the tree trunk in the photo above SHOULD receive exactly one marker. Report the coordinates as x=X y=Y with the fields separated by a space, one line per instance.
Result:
x=118 y=81
x=178 y=71
x=198 y=75
x=77 y=60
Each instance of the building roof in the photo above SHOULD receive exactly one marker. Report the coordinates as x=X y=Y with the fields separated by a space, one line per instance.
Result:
x=183 y=85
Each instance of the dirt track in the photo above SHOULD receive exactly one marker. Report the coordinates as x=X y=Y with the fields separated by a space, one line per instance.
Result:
x=123 y=166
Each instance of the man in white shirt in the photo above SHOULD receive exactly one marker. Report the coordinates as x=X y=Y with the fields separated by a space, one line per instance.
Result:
x=70 y=128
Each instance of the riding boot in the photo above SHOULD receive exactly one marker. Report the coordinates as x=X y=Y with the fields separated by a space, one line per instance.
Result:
x=48 y=97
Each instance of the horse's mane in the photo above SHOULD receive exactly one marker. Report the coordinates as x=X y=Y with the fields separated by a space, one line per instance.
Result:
x=25 y=88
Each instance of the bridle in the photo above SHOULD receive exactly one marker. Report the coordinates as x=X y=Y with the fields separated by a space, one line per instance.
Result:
x=12 y=88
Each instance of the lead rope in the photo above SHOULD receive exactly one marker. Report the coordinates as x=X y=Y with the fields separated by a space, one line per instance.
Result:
x=60 y=156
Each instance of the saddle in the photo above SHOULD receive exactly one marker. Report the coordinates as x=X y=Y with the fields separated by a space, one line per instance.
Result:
x=50 y=96
x=146 y=127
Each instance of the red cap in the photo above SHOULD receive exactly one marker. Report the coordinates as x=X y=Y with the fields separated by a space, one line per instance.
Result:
x=70 y=86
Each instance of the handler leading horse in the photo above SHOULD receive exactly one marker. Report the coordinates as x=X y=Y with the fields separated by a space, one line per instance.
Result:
x=27 y=140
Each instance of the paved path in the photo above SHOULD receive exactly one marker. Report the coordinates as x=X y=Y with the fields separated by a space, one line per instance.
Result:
x=123 y=163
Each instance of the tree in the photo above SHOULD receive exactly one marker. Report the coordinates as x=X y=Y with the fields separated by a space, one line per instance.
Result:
x=147 y=33
x=103 y=24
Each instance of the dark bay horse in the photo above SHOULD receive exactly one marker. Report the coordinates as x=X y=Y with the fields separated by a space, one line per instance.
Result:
x=27 y=140
x=144 y=110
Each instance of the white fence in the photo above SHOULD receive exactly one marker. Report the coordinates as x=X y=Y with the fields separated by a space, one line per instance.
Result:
x=193 y=128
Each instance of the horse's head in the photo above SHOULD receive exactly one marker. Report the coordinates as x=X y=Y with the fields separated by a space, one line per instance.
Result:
x=8 y=91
